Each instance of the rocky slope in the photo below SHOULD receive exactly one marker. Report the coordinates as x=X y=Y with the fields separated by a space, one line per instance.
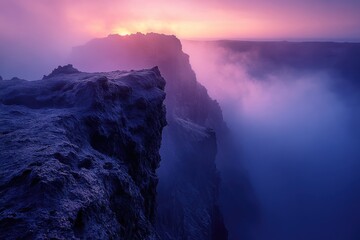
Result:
x=188 y=177
x=78 y=155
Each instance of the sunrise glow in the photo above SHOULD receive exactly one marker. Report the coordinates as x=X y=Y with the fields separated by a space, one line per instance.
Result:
x=121 y=31
x=277 y=19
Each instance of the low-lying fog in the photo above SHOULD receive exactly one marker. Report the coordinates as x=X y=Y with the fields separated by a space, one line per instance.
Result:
x=298 y=137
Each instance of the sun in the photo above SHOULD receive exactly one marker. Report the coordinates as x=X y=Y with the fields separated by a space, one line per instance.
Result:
x=122 y=31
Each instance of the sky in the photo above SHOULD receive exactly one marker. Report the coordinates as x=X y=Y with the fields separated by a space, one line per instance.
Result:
x=263 y=19
x=36 y=34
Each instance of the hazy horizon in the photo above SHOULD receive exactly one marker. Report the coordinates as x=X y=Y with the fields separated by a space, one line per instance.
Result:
x=21 y=66
x=40 y=31
x=207 y=19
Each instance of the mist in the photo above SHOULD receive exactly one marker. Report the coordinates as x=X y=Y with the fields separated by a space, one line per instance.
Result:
x=37 y=36
x=297 y=135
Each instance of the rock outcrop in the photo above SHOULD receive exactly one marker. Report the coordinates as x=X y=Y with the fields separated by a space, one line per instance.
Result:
x=79 y=153
x=189 y=181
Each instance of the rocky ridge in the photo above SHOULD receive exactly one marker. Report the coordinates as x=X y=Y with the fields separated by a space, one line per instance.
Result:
x=189 y=182
x=76 y=150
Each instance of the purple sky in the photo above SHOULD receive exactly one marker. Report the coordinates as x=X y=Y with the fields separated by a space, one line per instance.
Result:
x=35 y=34
x=63 y=21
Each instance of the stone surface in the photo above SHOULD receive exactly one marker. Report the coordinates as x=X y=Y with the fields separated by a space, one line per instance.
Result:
x=79 y=153
x=188 y=178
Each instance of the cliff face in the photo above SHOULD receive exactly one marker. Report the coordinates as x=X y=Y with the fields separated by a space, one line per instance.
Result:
x=189 y=184
x=188 y=178
x=186 y=97
x=78 y=155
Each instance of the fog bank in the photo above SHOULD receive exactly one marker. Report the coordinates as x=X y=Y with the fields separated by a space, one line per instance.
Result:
x=297 y=136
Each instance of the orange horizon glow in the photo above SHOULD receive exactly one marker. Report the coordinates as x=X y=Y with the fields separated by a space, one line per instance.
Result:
x=69 y=22
x=198 y=19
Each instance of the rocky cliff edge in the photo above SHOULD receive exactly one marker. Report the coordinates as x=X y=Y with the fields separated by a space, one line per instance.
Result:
x=79 y=153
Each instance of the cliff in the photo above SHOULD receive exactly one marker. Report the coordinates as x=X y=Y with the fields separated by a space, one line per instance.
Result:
x=79 y=153
x=186 y=97
x=189 y=182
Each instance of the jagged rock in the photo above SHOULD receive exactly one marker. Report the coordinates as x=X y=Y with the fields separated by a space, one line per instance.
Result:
x=67 y=69
x=190 y=113
x=186 y=97
x=78 y=156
